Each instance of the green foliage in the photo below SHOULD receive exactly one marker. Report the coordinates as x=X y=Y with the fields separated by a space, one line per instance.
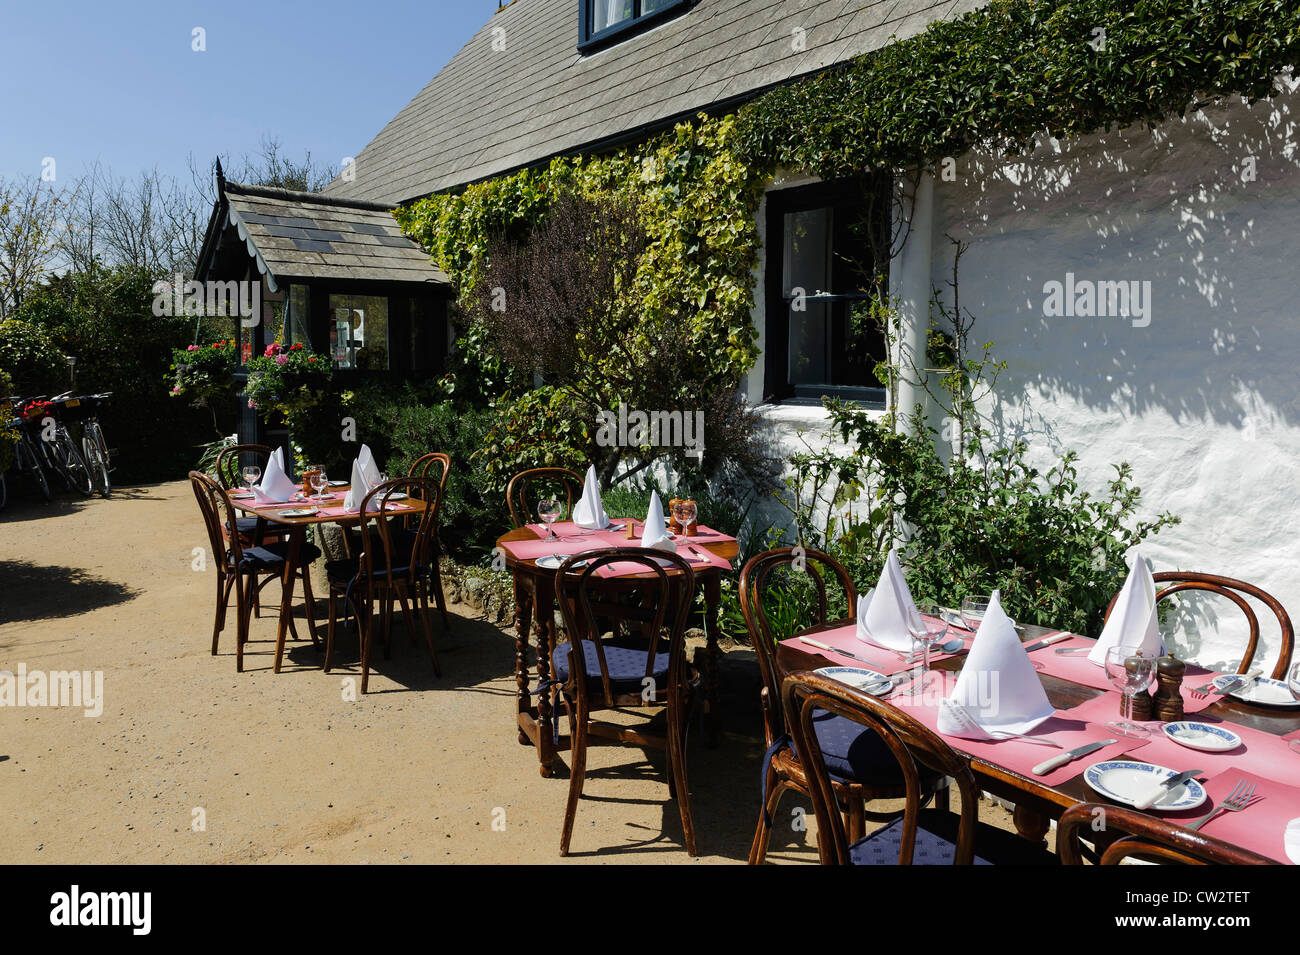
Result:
x=287 y=381
x=205 y=374
x=8 y=436
x=1013 y=69
x=534 y=430
x=32 y=359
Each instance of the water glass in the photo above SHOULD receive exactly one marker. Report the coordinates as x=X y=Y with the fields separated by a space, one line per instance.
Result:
x=550 y=510
x=1128 y=671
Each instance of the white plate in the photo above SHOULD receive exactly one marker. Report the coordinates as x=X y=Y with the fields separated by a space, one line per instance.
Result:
x=396 y=496
x=1263 y=691
x=859 y=678
x=339 y=483
x=1126 y=781
x=300 y=512
x=1203 y=736
x=552 y=562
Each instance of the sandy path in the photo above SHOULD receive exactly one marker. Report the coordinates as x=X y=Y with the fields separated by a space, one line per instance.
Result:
x=283 y=769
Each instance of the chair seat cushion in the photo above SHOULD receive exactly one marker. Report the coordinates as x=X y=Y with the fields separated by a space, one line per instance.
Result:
x=626 y=666
x=936 y=841
x=856 y=754
x=272 y=556
x=247 y=527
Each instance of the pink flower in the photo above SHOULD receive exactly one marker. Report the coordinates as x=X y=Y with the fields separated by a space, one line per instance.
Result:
x=176 y=389
x=270 y=350
x=281 y=359
x=192 y=348
x=252 y=403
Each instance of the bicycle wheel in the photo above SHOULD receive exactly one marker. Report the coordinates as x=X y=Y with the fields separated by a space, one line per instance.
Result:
x=70 y=466
x=94 y=458
x=28 y=460
x=4 y=492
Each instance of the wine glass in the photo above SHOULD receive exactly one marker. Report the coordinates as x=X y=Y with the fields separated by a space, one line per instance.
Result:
x=550 y=510
x=1128 y=671
x=973 y=609
x=320 y=481
x=251 y=474
x=926 y=631
x=685 y=514
x=1293 y=684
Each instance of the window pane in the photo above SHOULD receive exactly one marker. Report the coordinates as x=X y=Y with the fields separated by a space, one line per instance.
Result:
x=651 y=6
x=608 y=13
x=298 y=330
x=807 y=252
x=359 y=331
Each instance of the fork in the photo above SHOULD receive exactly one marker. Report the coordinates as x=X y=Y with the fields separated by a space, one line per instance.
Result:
x=1236 y=683
x=1237 y=800
x=1006 y=734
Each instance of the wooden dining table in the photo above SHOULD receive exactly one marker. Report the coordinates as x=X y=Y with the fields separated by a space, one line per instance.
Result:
x=296 y=531
x=534 y=592
x=1037 y=804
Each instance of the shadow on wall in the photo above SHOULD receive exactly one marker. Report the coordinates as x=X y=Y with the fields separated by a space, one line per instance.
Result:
x=41 y=591
x=1200 y=211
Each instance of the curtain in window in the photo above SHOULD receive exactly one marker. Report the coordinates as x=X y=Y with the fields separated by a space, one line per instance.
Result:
x=607 y=13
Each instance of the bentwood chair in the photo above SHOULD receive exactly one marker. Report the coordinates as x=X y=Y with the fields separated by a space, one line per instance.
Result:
x=230 y=462
x=1142 y=837
x=1180 y=581
x=598 y=671
x=246 y=568
x=523 y=505
x=861 y=765
x=421 y=468
x=919 y=836
x=391 y=566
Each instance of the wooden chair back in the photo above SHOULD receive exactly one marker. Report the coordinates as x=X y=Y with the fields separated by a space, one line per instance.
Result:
x=754 y=579
x=231 y=461
x=517 y=491
x=1180 y=581
x=1144 y=837
x=912 y=744
x=219 y=520
x=390 y=553
x=440 y=465
x=586 y=599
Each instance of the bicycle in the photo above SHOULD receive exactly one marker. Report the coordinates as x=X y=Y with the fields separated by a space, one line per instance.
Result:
x=60 y=451
x=27 y=453
x=95 y=451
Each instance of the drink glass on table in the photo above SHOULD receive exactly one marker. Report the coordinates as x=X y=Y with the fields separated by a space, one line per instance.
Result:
x=685 y=512
x=550 y=510
x=973 y=609
x=252 y=474
x=926 y=631
x=320 y=481
x=1293 y=684
x=1128 y=671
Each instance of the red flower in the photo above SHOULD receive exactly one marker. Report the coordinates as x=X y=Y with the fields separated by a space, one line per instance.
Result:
x=312 y=358
x=295 y=348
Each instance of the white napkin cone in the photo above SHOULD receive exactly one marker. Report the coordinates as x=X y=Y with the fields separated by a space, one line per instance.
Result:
x=275 y=487
x=589 y=512
x=885 y=612
x=1134 y=622
x=998 y=689
x=368 y=466
x=655 y=533
x=1291 y=839
x=359 y=489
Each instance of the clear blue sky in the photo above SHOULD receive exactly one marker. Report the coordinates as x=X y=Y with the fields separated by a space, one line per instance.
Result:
x=118 y=81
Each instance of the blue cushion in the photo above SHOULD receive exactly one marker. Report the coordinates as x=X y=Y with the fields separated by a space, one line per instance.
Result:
x=273 y=556
x=936 y=842
x=626 y=665
x=247 y=526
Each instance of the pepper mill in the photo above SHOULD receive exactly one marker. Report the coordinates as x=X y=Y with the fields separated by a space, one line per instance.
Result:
x=1169 y=698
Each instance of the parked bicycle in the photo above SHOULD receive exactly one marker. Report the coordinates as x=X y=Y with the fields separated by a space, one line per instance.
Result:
x=95 y=452
x=27 y=452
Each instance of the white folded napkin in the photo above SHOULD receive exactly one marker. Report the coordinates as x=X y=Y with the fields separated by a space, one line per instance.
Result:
x=368 y=466
x=998 y=688
x=359 y=489
x=1291 y=840
x=655 y=532
x=1133 y=623
x=589 y=512
x=885 y=613
x=275 y=486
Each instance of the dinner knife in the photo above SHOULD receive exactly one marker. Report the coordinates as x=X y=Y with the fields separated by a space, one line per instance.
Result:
x=1149 y=800
x=844 y=653
x=1045 y=767
x=1046 y=641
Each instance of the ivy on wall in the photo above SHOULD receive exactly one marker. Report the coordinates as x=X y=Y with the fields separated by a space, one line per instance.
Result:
x=997 y=77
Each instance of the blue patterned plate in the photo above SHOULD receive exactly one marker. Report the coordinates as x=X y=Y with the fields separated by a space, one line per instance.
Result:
x=1203 y=736
x=1127 y=782
x=869 y=681
x=1260 y=690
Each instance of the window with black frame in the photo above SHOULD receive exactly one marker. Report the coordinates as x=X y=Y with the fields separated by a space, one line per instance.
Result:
x=605 y=21
x=827 y=258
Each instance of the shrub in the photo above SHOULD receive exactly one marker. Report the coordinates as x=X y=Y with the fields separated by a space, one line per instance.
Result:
x=205 y=376
x=32 y=358
x=287 y=380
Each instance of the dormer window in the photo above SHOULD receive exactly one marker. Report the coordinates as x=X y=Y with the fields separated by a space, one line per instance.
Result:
x=608 y=21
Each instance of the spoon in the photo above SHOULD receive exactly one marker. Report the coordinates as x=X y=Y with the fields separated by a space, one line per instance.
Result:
x=949 y=647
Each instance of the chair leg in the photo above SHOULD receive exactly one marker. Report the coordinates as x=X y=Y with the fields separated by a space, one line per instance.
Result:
x=578 y=768
x=941 y=798
x=439 y=598
x=857 y=819
x=224 y=582
x=329 y=633
x=309 y=603
x=677 y=766
x=763 y=831
x=242 y=609
x=422 y=605
x=406 y=613
x=367 y=638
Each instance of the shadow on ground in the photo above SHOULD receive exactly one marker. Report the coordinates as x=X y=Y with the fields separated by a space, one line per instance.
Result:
x=44 y=591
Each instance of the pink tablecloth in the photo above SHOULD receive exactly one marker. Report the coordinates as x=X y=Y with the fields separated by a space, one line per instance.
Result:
x=1019 y=756
x=885 y=661
x=1260 y=827
x=1077 y=668
x=574 y=540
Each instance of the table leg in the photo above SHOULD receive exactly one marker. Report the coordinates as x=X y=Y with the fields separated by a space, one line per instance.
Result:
x=523 y=620
x=1030 y=823
x=544 y=614
x=296 y=536
x=712 y=659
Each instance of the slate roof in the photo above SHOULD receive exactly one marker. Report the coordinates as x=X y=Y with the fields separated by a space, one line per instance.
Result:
x=304 y=235
x=490 y=112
